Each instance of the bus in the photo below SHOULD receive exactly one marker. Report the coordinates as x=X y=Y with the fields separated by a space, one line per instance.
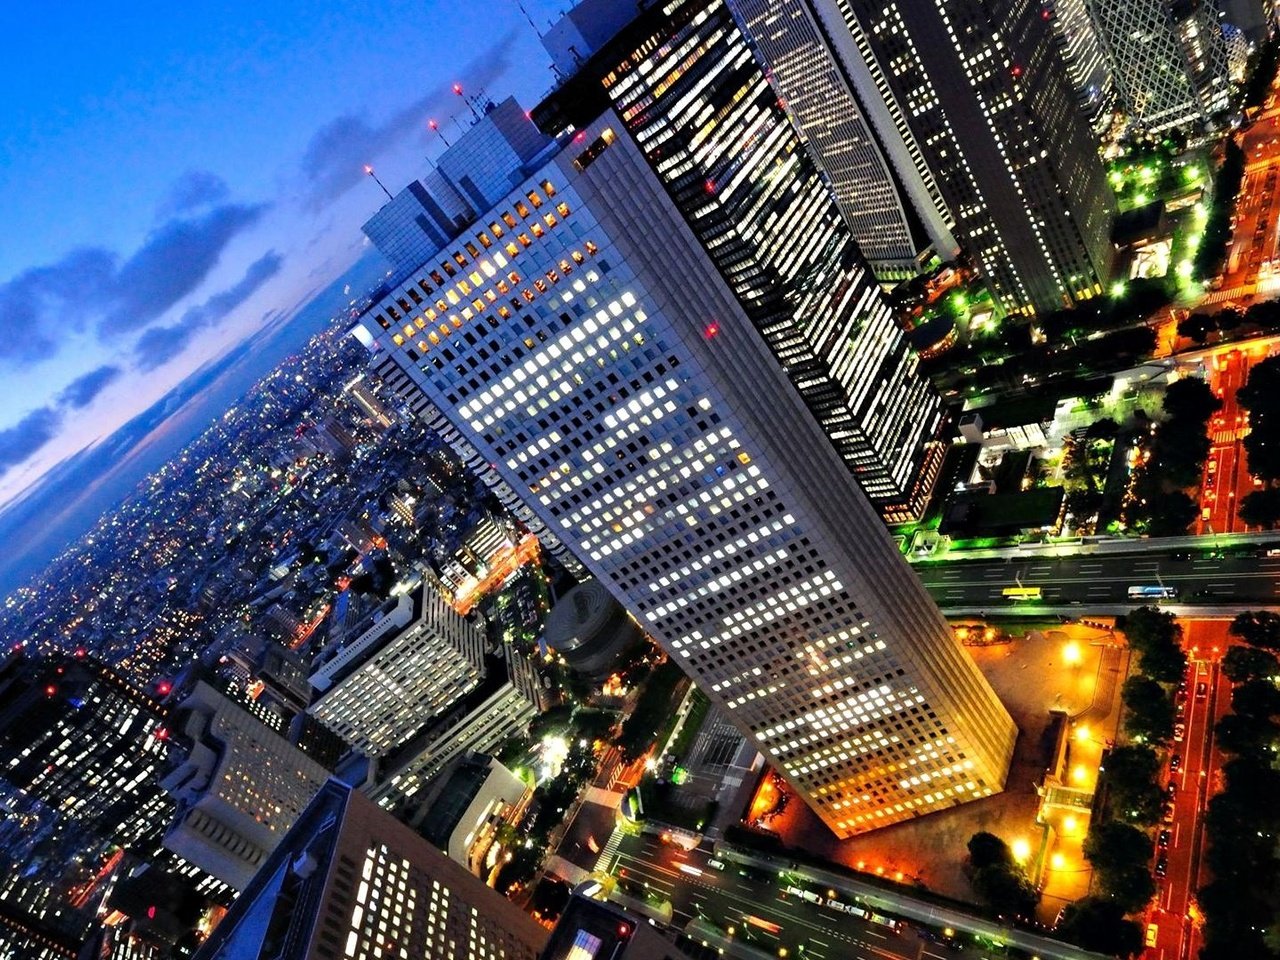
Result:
x=1020 y=594
x=1153 y=592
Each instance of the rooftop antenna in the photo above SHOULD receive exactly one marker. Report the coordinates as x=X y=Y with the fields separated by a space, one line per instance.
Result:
x=369 y=170
x=435 y=128
x=457 y=88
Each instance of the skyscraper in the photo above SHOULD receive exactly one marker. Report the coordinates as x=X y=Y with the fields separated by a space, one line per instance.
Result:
x=349 y=881
x=894 y=211
x=606 y=358
x=1168 y=60
x=703 y=113
x=1086 y=65
x=977 y=95
x=239 y=786
x=414 y=662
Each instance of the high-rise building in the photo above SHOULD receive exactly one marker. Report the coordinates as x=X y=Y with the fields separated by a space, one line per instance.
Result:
x=752 y=194
x=973 y=98
x=895 y=213
x=1086 y=64
x=593 y=352
x=349 y=882
x=239 y=786
x=1168 y=60
x=590 y=929
x=413 y=663
x=484 y=163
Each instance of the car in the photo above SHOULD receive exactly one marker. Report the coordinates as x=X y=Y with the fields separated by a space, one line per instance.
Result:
x=1206 y=513
x=1167 y=815
x=1202 y=690
x=715 y=864
x=1170 y=790
x=1181 y=708
x=1153 y=932
x=1175 y=761
x=1162 y=865
x=1179 y=731
x=1212 y=467
x=1164 y=839
x=1180 y=555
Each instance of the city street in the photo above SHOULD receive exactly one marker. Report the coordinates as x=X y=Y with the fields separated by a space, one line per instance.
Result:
x=1102 y=579
x=1252 y=267
x=1226 y=478
x=1205 y=643
x=727 y=897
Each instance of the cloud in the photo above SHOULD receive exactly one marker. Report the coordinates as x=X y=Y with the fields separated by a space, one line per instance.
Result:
x=31 y=301
x=193 y=189
x=28 y=435
x=159 y=345
x=79 y=393
x=334 y=160
x=172 y=262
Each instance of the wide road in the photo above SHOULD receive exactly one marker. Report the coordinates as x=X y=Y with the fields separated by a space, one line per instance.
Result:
x=1207 y=698
x=727 y=897
x=1102 y=579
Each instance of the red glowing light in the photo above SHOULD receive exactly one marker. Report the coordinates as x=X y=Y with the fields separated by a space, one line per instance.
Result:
x=709 y=186
x=50 y=690
x=151 y=912
x=433 y=125
x=582 y=135
x=163 y=688
x=457 y=88
x=162 y=733
x=1016 y=70
x=624 y=930
x=80 y=653
x=711 y=329
x=368 y=169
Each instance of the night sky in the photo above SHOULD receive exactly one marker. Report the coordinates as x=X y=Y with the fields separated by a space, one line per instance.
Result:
x=174 y=176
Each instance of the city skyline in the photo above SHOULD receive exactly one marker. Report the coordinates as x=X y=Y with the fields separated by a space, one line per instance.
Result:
x=184 y=243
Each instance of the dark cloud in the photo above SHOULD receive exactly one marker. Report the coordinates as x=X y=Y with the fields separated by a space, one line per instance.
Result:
x=223 y=302
x=191 y=190
x=334 y=160
x=28 y=435
x=173 y=262
x=161 y=344
x=80 y=392
x=32 y=302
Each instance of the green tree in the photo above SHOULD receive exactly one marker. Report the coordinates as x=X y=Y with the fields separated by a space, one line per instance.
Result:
x=1006 y=890
x=1131 y=773
x=1247 y=736
x=1149 y=711
x=1146 y=627
x=1121 y=858
x=1098 y=924
x=1258 y=628
x=1248 y=663
x=1261 y=508
x=1256 y=698
x=1190 y=399
x=986 y=849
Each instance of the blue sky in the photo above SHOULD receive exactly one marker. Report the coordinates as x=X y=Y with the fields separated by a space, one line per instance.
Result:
x=173 y=176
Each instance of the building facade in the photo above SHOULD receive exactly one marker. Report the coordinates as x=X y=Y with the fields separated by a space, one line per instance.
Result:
x=349 y=882
x=599 y=361
x=690 y=93
x=1168 y=59
x=896 y=215
x=977 y=102
x=413 y=663
x=239 y=786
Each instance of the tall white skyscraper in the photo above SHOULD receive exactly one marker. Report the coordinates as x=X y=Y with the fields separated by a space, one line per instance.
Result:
x=590 y=349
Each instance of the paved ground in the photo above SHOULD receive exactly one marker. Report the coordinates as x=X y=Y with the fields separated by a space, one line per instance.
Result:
x=1031 y=679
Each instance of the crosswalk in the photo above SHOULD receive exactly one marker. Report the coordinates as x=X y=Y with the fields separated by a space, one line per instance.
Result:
x=609 y=853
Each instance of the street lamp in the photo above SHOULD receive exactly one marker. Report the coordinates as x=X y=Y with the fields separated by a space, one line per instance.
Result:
x=1071 y=654
x=1021 y=850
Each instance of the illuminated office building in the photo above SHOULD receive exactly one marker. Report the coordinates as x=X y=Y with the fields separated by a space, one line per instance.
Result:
x=349 y=882
x=1085 y=62
x=753 y=196
x=413 y=663
x=973 y=98
x=1168 y=59
x=894 y=211
x=239 y=786
x=590 y=349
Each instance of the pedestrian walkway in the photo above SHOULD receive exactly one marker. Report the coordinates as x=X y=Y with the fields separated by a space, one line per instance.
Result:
x=606 y=798
x=609 y=853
